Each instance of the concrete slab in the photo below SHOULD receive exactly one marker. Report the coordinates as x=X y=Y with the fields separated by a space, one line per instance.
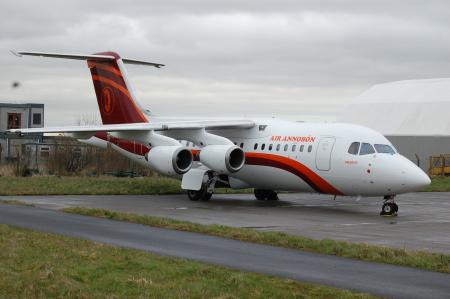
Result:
x=423 y=222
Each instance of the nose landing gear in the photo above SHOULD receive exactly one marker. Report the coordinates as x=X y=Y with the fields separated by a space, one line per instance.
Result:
x=389 y=208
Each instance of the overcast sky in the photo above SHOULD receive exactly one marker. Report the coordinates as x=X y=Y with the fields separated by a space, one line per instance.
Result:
x=300 y=60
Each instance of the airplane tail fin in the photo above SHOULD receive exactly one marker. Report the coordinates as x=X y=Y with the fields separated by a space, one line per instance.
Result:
x=116 y=100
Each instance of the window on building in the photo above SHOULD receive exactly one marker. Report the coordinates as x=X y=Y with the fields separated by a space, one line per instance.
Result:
x=278 y=147
x=45 y=152
x=14 y=120
x=256 y=146
x=366 y=149
x=309 y=148
x=286 y=147
x=302 y=147
x=37 y=118
x=263 y=146
x=354 y=148
x=270 y=147
x=294 y=147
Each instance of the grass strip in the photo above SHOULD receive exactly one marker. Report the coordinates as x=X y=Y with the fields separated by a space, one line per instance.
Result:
x=16 y=202
x=103 y=185
x=417 y=259
x=439 y=184
x=44 y=265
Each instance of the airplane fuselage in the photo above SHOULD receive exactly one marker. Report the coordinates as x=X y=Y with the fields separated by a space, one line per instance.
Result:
x=307 y=157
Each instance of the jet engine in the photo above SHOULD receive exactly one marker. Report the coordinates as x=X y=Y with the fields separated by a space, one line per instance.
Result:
x=169 y=160
x=223 y=159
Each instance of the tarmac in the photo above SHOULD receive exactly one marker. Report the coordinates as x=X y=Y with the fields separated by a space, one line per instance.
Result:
x=423 y=222
x=379 y=279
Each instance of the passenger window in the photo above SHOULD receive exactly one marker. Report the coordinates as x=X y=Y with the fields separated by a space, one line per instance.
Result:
x=270 y=147
x=302 y=147
x=242 y=145
x=366 y=149
x=294 y=147
x=286 y=147
x=263 y=146
x=309 y=148
x=278 y=147
x=384 y=149
x=256 y=146
x=354 y=148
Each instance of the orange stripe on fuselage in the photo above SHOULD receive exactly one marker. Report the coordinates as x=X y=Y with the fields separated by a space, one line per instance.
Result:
x=294 y=167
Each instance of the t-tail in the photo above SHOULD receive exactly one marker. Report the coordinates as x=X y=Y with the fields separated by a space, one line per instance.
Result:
x=116 y=100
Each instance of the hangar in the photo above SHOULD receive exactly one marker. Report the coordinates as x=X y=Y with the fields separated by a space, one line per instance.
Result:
x=412 y=114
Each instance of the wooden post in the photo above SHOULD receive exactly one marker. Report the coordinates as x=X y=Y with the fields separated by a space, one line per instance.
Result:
x=430 y=171
x=443 y=165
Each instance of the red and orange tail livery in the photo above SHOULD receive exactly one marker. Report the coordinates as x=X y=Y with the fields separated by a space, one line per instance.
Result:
x=115 y=97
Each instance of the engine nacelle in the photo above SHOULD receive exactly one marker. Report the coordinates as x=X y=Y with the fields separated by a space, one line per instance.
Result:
x=170 y=160
x=223 y=158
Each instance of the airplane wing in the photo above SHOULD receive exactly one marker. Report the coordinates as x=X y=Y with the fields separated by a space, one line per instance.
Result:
x=154 y=126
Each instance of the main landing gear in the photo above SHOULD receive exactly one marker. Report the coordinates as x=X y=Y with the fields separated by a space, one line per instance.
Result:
x=261 y=194
x=207 y=189
x=389 y=208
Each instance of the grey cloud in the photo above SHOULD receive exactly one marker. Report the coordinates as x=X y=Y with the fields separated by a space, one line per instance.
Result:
x=294 y=59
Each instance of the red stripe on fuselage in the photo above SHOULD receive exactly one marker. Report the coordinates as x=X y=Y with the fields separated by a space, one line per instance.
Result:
x=130 y=146
x=260 y=159
x=294 y=167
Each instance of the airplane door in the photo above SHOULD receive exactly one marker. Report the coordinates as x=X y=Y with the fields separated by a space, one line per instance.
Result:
x=323 y=153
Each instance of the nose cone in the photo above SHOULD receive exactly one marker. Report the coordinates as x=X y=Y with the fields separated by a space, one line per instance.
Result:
x=420 y=179
x=415 y=178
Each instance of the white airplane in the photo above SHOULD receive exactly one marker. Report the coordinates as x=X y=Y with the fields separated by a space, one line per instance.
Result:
x=268 y=155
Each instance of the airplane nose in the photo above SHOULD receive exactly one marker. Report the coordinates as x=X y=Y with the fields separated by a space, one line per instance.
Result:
x=421 y=180
x=417 y=178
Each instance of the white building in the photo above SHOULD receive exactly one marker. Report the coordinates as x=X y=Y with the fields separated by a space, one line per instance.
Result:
x=15 y=116
x=412 y=114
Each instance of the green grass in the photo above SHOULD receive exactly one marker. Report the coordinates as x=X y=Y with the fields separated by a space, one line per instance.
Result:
x=104 y=185
x=49 y=185
x=16 y=202
x=439 y=184
x=42 y=265
x=417 y=259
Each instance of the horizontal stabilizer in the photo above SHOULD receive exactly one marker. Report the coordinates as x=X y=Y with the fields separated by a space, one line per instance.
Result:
x=93 y=57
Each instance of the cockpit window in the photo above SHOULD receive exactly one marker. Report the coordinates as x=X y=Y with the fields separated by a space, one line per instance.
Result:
x=366 y=149
x=354 y=148
x=384 y=149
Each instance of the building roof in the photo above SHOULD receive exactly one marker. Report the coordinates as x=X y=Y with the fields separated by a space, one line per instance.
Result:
x=26 y=105
x=412 y=107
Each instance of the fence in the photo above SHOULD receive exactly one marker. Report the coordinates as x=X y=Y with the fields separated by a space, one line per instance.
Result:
x=69 y=157
x=440 y=165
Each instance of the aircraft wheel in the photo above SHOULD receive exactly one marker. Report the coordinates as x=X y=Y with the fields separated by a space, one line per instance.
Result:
x=265 y=194
x=206 y=196
x=201 y=194
x=272 y=196
x=395 y=207
x=389 y=209
x=194 y=195
x=260 y=194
